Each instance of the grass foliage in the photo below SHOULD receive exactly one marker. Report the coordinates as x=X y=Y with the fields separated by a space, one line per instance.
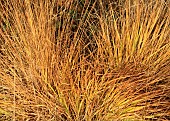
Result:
x=84 y=60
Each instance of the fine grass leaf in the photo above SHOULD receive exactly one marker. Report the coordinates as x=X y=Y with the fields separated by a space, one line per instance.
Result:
x=2 y=111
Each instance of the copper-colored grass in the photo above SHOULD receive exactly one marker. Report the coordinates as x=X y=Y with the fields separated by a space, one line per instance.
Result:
x=62 y=61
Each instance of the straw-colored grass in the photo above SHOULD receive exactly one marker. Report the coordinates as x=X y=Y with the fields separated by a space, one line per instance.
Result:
x=84 y=61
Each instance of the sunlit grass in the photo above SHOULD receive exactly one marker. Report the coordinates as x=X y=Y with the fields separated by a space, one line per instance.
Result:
x=84 y=61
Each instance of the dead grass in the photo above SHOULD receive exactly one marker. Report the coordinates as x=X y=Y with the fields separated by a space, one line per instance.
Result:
x=63 y=61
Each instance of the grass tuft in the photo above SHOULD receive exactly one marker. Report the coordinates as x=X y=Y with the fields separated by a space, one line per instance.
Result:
x=84 y=60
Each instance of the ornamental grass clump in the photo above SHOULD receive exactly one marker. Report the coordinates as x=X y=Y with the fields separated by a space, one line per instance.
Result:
x=84 y=60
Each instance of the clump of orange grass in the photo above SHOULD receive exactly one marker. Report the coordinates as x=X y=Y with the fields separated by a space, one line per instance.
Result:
x=113 y=65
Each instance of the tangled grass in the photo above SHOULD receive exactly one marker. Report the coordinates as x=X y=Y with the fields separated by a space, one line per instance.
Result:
x=84 y=60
